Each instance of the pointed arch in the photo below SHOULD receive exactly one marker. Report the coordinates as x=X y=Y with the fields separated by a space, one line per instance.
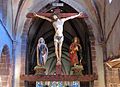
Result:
x=5 y=66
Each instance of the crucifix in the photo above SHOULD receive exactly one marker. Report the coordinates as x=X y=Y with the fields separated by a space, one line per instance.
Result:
x=57 y=19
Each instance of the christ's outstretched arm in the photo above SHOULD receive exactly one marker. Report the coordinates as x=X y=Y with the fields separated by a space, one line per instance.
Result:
x=42 y=17
x=72 y=17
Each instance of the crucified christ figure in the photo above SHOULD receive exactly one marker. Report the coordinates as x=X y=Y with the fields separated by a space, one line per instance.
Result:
x=58 y=23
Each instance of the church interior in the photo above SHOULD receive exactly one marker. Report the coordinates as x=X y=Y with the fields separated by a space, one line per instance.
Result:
x=29 y=56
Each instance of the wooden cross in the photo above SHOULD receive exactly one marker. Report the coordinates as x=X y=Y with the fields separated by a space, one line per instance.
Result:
x=57 y=10
x=84 y=78
x=58 y=76
x=61 y=15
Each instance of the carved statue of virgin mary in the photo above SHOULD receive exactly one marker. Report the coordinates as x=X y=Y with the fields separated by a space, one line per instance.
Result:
x=42 y=52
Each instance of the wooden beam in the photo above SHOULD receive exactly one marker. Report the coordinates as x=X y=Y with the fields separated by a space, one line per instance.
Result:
x=33 y=78
x=62 y=15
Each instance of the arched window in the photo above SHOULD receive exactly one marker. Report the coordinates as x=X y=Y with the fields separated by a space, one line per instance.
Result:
x=5 y=67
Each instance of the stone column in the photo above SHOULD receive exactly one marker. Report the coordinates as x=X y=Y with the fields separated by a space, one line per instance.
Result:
x=17 y=67
x=100 y=66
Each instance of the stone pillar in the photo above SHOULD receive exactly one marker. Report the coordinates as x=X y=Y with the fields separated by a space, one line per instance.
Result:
x=23 y=57
x=100 y=67
x=17 y=63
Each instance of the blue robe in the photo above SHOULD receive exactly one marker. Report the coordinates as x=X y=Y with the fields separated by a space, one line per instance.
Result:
x=43 y=52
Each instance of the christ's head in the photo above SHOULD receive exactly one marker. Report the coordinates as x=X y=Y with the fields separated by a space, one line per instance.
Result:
x=55 y=17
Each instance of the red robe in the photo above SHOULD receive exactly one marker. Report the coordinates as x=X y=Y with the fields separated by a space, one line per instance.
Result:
x=73 y=54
